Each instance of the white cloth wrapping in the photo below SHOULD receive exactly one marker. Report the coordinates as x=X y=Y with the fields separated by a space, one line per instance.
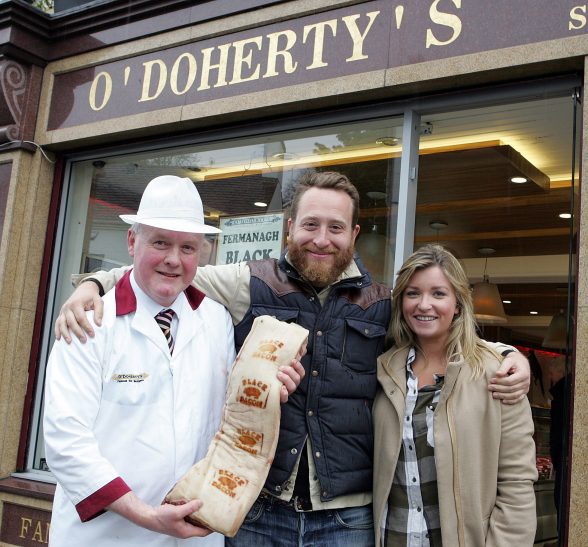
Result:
x=229 y=479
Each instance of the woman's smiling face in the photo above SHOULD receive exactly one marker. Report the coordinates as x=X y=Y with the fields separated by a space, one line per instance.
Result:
x=429 y=304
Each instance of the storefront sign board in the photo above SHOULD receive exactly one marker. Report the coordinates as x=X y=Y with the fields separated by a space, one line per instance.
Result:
x=358 y=39
x=24 y=526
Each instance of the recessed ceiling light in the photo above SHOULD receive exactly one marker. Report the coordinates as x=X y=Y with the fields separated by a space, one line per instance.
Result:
x=519 y=180
x=388 y=141
x=285 y=156
x=534 y=312
x=507 y=301
x=565 y=215
x=260 y=204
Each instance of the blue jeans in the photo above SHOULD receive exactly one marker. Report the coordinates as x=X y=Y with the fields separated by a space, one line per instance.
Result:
x=270 y=524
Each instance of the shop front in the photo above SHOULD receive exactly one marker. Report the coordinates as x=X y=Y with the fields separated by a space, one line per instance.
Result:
x=458 y=122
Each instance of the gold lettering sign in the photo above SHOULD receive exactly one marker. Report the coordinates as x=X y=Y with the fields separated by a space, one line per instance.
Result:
x=357 y=36
x=577 y=18
x=102 y=79
x=24 y=526
x=319 y=41
x=445 y=19
x=190 y=73
x=351 y=40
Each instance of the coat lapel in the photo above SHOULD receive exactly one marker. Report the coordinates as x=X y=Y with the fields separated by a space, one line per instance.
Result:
x=143 y=323
x=392 y=377
x=190 y=323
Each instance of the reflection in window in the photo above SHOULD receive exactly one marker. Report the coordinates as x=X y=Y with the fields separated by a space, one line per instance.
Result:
x=494 y=187
x=246 y=187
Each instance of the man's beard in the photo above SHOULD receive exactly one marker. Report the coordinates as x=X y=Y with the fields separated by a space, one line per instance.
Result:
x=317 y=273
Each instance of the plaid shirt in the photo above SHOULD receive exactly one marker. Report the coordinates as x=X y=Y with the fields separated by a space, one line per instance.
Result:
x=412 y=515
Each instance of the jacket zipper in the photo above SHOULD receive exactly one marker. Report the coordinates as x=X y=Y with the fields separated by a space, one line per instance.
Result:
x=456 y=489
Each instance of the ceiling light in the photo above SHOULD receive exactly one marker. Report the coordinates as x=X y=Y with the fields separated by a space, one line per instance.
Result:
x=486 y=251
x=438 y=224
x=556 y=332
x=285 y=156
x=260 y=204
x=534 y=313
x=507 y=301
x=488 y=308
x=388 y=141
x=565 y=215
x=519 y=180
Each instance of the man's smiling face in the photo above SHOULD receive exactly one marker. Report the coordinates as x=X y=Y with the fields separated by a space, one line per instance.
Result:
x=322 y=236
x=164 y=261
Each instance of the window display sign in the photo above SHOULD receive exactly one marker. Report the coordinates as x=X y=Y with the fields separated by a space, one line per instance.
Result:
x=254 y=237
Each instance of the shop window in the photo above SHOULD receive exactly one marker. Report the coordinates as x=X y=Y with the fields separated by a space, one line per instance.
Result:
x=246 y=186
x=497 y=187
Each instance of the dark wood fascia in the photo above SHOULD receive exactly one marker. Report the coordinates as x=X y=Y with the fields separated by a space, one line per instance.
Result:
x=24 y=32
x=32 y=36
x=28 y=488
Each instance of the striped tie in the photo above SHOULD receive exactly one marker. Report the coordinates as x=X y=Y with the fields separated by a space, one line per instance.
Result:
x=164 y=320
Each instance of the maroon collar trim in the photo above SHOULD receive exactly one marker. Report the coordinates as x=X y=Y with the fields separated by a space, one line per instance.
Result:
x=126 y=301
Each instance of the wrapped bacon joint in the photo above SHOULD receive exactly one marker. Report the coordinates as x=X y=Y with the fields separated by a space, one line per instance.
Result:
x=229 y=479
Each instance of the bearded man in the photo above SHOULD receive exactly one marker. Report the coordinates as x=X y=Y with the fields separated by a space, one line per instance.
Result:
x=319 y=488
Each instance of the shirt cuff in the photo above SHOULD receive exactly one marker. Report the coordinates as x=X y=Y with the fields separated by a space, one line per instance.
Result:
x=95 y=504
x=100 y=287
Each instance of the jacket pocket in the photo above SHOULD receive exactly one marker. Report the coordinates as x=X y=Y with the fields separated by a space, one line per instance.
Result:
x=288 y=315
x=363 y=341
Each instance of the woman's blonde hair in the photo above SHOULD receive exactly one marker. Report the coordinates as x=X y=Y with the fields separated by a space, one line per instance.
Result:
x=463 y=341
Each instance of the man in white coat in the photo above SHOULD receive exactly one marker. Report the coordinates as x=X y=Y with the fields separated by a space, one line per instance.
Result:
x=129 y=412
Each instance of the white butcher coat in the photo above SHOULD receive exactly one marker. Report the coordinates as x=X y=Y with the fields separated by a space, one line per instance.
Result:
x=122 y=414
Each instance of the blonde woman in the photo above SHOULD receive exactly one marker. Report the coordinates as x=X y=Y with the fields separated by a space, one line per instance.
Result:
x=453 y=466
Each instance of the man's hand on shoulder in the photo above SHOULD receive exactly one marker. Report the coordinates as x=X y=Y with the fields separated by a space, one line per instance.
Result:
x=72 y=316
x=513 y=379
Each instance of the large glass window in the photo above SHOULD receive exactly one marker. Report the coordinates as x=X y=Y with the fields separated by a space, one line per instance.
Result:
x=246 y=186
x=496 y=187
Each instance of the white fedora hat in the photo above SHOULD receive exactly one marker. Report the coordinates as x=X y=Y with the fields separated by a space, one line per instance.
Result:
x=171 y=203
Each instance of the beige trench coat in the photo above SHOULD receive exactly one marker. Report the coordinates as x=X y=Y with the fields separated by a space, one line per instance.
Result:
x=484 y=454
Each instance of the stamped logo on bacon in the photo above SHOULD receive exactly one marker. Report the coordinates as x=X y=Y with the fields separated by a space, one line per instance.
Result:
x=253 y=393
x=250 y=441
x=229 y=483
x=267 y=349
